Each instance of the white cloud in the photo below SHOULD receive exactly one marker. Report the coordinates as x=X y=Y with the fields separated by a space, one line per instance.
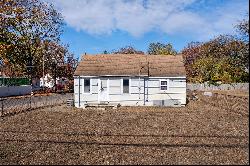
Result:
x=138 y=17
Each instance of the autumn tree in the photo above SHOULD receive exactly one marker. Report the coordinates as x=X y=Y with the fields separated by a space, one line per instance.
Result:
x=190 y=54
x=57 y=60
x=128 y=50
x=243 y=28
x=26 y=26
x=161 y=49
x=71 y=64
x=53 y=54
x=222 y=59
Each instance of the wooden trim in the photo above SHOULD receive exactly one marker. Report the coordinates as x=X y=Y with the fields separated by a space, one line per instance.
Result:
x=164 y=85
x=90 y=88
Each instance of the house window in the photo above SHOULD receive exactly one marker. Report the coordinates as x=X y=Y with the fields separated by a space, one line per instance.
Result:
x=125 y=85
x=164 y=85
x=86 y=85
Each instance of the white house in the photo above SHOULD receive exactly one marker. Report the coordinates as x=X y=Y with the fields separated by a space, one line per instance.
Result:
x=130 y=80
x=47 y=81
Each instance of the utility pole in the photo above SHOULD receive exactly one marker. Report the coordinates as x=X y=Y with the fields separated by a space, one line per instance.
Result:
x=29 y=68
x=54 y=66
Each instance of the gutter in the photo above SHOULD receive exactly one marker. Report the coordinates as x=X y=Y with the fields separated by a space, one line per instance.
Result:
x=144 y=91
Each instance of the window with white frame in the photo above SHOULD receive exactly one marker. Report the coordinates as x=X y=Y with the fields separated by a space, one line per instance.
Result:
x=86 y=85
x=164 y=85
x=125 y=85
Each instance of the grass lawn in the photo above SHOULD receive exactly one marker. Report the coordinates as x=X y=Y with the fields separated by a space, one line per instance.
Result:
x=195 y=134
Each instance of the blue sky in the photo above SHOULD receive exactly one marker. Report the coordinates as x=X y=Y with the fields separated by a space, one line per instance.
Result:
x=93 y=26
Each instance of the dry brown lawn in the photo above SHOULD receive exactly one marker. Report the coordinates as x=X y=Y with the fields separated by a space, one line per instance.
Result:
x=242 y=93
x=195 y=134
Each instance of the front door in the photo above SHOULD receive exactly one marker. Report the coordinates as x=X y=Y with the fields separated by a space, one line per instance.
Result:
x=103 y=90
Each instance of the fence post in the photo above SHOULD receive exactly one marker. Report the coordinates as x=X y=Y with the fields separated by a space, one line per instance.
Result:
x=2 y=105
x=31 y=99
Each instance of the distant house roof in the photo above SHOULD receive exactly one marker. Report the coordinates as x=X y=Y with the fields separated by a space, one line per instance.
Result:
x=131 y=65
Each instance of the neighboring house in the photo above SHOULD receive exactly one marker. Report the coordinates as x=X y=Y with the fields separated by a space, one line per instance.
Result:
x=47 y=81
x=130 y=80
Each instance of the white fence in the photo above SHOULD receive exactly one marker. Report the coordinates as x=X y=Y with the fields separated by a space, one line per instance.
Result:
x=6 y=91
x=205 y=87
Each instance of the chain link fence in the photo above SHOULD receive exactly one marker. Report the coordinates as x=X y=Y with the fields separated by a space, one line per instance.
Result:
x=14 y=105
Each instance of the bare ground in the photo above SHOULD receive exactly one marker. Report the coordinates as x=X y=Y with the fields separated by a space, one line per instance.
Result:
x=196 y=134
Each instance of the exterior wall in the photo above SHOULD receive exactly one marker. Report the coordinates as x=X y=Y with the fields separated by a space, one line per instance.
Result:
x=132 y=98
x=85 y=97
x=6 y=91
x=204 y=87
x=176 y=91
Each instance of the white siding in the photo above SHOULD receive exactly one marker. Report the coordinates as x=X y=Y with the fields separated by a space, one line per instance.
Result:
x=114 y=82
x=135 y=82
x=156 y=90
x=94 y=81
x=153 y=83
x=76 y=91
x=94 y=89
x=114 y=86
x=85 y=98
x=177 y=83
x=94 y=85
x=115 y=90
x=176 y=90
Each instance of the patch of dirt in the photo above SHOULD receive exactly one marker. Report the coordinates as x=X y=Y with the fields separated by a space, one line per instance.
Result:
x=196 y=134
x=240 y=93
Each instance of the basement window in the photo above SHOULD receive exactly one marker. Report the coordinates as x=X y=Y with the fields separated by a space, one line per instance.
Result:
x=86 y=85
x=125 y=85
x=164 y=85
